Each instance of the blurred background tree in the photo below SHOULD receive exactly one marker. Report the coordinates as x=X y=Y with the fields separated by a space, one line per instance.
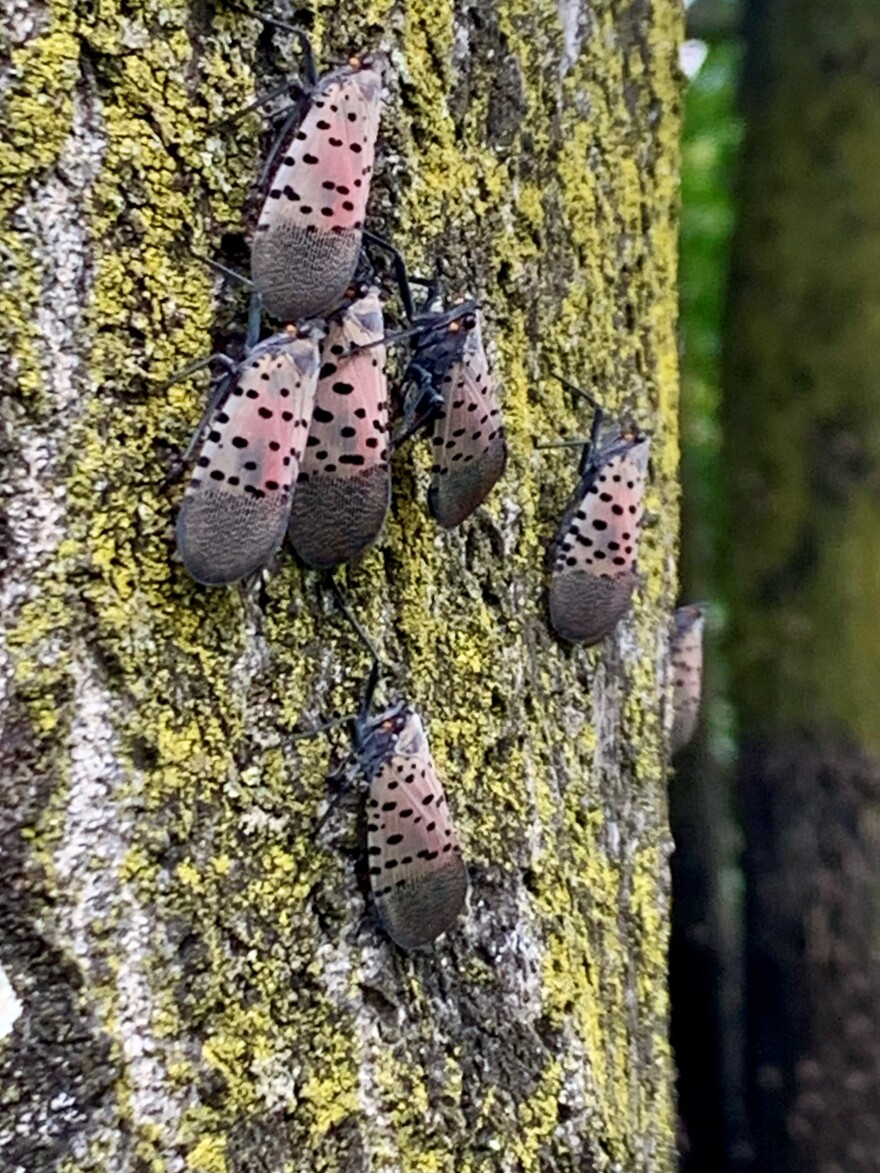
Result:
x=706 y=951
x=777 y=1038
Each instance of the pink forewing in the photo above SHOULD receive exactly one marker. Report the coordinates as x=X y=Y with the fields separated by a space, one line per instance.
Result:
x=323 y=179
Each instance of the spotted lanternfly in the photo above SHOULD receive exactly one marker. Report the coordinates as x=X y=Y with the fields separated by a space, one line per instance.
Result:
x=417 y=875
x=308 y=238
x=235 y=509
x=449 y=387
x=686 y=650
x=344 y=487
x=594 y=552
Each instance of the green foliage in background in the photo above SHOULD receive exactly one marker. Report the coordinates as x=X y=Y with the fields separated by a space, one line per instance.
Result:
x=708 y=896
x=711 y=139
x=712 y=132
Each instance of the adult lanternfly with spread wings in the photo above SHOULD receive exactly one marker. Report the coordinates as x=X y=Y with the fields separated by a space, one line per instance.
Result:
x=235 y=509
x=344 y=487
x=686 y=652
x=594 y=553
x=308 y=237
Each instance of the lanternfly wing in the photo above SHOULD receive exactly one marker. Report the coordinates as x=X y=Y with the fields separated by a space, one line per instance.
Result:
x=235 y=509
x=418 y=877
x=687 y=673
x=594 y=554
x=345 y=479
x=470 y=451
x=308 y=237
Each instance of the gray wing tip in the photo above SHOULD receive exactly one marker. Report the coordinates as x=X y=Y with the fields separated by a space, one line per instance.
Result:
x=427 y=907
x=335 y=520
x=585 y=608
x=221 y=540
x=301 y=274
x=454 y=497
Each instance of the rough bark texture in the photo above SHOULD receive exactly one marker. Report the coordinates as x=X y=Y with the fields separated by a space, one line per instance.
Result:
x=198 y=989
x=804 y=444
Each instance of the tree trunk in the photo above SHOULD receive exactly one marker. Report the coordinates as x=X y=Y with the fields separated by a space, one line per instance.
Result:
x=804 y=444
x=706 y=963
x=199 y=988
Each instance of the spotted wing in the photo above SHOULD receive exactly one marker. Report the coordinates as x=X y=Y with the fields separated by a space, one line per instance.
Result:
x=345 y=479
x=594 y=557
x=470 y=450
x=687 y=673
x=323 y=179
x=308 y=237
x=235 y=509
x=418 y=877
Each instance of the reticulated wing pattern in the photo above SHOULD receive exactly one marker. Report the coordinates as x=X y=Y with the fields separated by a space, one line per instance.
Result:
x=418 y=877
x=595 y=550
x=235 y=509
x=470 y=451
x=308 y=237
x=345 y=479
x=687 y=673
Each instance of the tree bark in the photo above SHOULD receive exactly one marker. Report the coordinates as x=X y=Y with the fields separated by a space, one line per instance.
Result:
x=804 y=445
x=199 y=988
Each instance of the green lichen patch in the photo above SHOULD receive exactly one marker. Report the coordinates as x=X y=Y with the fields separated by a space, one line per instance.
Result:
x=282 y=1023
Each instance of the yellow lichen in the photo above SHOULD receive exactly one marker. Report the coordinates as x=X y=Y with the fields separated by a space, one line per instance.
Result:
x=208 y=1155
x=207 y=683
